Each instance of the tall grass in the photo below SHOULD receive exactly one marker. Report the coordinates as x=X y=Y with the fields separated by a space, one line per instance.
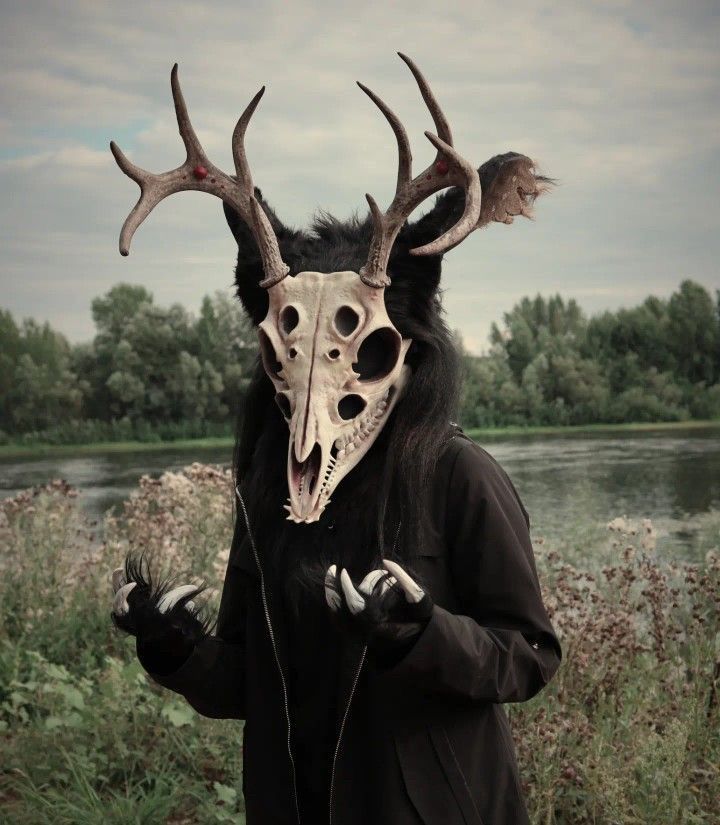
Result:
x=626 y=733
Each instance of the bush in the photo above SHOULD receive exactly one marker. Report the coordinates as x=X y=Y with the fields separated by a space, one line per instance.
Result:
x=625 y=733
x=86 y=737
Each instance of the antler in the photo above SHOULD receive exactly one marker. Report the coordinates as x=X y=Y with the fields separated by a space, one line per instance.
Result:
x=198 y=173
x=448 y=169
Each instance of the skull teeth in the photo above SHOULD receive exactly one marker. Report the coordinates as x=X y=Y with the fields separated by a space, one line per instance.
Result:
x=344 y=444
x=362 y=428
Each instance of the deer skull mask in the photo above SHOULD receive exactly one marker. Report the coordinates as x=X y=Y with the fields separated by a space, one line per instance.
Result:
x=336 y=361
x=337 y=364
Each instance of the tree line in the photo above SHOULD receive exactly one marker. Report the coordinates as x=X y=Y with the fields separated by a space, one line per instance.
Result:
x=551 y=365
x=150 y=373
x=160 y=373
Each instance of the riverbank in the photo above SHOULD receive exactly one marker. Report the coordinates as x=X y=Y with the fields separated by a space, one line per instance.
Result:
x=21 y=450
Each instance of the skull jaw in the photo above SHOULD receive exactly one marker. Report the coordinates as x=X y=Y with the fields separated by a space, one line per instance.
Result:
x=312 y=483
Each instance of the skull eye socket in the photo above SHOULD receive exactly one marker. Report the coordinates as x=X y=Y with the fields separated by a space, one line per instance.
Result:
x=378 y=354
x=284 y=403
x=268 y=354
x=289 y=319
x=346 y=321
x=351 y=406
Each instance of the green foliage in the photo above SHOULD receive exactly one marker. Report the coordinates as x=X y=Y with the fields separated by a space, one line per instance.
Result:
x=85 y=736
x=694 y=335
x=151 y=373
x=38 y=387
x=158 y=373
x=549 y=365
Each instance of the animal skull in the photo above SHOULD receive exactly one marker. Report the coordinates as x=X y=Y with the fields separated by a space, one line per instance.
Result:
x=338 y=367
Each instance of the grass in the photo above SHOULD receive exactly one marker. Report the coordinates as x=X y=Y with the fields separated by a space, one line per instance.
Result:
x=626 y=732
x=9 y=451
x=632 y=427
x=23 y=450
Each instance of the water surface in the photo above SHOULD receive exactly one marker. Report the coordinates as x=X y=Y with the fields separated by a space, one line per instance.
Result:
x=672 y=477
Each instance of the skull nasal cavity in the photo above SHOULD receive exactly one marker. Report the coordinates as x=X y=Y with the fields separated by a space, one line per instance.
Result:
x=346 y=321
x=378 y=354
x=350 y=406
x=289 y=319
x=267 y=351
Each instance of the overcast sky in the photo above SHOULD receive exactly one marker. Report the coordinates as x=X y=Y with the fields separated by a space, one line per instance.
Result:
x=618 y=100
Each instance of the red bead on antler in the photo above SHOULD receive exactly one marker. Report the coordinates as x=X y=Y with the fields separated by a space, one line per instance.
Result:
x=200 y=172
x=441 y=167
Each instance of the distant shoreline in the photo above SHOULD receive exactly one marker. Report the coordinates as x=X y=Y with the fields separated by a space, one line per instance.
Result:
x=20 y=450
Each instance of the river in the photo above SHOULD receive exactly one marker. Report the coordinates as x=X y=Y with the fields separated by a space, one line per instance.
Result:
x=671 y=477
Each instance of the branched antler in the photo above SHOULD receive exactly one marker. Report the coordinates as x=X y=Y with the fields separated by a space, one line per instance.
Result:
x=448 y=169
x=200 y=174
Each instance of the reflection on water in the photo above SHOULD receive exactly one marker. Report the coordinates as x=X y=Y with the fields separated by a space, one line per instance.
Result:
x=562 y=479
x=667 y=477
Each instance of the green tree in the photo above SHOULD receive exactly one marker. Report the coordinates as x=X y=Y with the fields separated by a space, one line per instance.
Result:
x=694 y=333
x=532 y=323
x=642 y=332
x=227 y=341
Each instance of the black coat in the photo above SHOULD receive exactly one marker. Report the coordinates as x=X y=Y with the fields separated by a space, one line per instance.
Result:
x=426 y=740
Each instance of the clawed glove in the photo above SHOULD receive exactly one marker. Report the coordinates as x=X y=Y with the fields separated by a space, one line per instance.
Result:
x=165 y=621
x=388 y=608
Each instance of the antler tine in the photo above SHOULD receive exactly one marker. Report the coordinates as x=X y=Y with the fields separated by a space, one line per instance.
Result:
x=187 y=133
x=473 y=202
x=448 y=169
x=439 y=119
x=238 y=140
x=275 y=268
x=151 y=193
x=200 y=174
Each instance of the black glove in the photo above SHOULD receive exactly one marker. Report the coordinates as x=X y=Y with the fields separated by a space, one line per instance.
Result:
x=388 y=608
x=165 y=621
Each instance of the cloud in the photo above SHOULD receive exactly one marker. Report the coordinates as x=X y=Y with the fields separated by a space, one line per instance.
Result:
x=616 y=99
x=63 y=162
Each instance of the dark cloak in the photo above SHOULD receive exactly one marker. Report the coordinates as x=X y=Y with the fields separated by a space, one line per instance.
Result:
x=425 y=740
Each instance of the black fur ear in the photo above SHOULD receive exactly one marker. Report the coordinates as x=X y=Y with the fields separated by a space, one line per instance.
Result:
x=249 y=270
x=414 y=279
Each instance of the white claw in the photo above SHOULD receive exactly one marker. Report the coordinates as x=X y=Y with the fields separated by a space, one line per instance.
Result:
x=118 y=579
x=355 y=601
x=120 y=602
x=169 y=600
x=413 y=592
x=332 y=597
x=367 y=585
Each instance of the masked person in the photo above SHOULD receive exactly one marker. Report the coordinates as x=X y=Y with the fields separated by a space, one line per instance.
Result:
x=381 y=600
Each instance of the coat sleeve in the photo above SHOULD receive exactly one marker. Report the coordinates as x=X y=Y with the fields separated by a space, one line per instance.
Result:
x=212 y=679
x=500 y=645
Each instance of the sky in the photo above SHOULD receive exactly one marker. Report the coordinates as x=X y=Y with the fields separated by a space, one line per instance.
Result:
x=617 y=100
